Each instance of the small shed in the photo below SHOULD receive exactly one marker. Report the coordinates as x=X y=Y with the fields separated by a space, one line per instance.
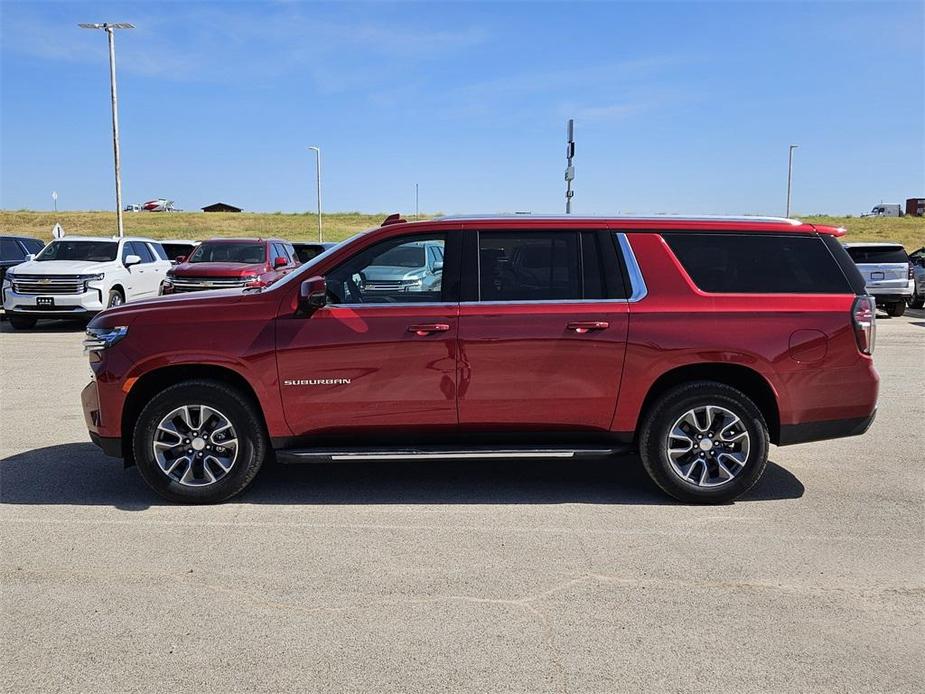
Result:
x=221 y=207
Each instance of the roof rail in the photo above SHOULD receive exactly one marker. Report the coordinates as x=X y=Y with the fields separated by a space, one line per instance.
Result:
x=655 y=217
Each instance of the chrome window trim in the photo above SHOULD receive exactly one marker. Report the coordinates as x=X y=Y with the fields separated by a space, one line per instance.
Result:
x=637 y=281
x=546 y=301
x=405 y=304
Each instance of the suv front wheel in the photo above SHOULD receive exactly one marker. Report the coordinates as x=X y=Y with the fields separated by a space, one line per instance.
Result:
x=704 y=442
x=199 y=442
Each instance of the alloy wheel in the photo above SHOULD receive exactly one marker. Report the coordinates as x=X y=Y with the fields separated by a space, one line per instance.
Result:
x=708 y=446
x=195 y=445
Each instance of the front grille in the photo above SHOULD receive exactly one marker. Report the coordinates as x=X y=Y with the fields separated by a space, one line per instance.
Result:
x=48 y=284
x=385 y=286
x=195 y=284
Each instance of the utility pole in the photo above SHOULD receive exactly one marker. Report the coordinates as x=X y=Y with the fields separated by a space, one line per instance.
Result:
x=317 y=151
x=54 y=196
x=417 y=202
x=569 y=169
x=790 y=176
x=110 y=30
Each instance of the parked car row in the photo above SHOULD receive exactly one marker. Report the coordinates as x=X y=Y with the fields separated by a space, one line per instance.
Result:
x=77 y=277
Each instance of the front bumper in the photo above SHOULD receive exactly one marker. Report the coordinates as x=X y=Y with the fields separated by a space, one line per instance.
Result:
x=82 y=305
x=93 y=416
x=110 y=446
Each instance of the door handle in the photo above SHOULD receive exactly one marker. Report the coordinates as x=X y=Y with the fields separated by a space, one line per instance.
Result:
x=428 y=328
x=583 y=326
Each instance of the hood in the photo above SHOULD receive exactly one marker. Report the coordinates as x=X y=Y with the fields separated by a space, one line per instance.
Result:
x=388 y=272
x=126 y=313
x=64 y=267
x=231 y=270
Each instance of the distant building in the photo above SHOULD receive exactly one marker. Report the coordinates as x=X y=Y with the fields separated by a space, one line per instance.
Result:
x=221 y=207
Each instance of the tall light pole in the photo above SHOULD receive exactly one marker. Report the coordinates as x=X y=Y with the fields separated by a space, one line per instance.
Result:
x=317 y=151
x=790 y=176
x=110 y=30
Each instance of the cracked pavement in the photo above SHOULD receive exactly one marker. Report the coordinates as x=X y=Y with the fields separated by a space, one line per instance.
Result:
x=467 y=576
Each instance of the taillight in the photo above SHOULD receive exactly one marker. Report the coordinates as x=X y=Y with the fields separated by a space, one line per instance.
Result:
x=911 y=273
x=864 y=318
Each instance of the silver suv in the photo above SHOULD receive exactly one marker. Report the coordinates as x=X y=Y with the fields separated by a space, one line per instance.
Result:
x=887 y=273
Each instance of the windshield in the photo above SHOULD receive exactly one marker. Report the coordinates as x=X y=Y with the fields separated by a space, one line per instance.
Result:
x=230 y=252
x=96 y=251
x=402 y=256
x=878 y=254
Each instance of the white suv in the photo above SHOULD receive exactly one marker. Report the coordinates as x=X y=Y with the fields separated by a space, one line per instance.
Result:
x=76 y=277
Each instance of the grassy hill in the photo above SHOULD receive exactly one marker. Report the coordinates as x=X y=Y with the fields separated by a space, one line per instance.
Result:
x=909 y=231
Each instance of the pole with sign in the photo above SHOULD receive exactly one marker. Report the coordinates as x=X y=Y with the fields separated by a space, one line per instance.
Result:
x=569 y=170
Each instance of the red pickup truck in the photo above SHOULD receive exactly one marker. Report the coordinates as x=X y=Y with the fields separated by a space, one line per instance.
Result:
x=696 y=342
x=231 y=263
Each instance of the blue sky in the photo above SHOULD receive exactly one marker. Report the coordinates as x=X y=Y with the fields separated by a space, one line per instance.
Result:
x=679 y=107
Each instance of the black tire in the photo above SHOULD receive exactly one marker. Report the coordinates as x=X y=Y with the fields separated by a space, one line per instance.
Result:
x=22 y=322
x=917 y=301
x=240 y=411
x=661 y=417
x=897 y=308
x=115 y=298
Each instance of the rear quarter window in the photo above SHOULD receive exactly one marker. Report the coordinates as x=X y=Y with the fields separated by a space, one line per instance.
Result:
x=758 y=263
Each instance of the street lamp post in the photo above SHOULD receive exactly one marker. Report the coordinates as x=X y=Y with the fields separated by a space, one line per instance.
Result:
x=790 y=176
x=110 y=30
x=317 y=151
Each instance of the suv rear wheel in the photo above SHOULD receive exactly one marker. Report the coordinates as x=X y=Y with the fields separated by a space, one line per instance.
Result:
x=897 y=308
x=199 y=442
x=704 y=442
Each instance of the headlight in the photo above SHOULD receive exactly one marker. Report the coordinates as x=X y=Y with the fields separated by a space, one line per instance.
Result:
x=99 y=339
x=92 y=278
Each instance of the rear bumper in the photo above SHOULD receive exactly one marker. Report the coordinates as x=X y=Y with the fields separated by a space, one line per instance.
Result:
x=884 y=299
x=896 y=292
x=828 y=429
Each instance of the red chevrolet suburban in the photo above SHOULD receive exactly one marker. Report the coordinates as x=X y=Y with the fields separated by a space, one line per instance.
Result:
x=695 y=342
x=231 y=263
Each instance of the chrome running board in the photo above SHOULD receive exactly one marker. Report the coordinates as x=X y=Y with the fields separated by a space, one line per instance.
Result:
x=330 y=455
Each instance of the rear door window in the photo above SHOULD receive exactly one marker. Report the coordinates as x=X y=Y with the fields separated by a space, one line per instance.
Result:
x=758 y=263
x=863 y=255
x=140 y=249
x=529 y=266
x=158 y=250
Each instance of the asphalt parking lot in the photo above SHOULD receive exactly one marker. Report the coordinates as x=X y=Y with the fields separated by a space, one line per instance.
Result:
x=483 y=577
